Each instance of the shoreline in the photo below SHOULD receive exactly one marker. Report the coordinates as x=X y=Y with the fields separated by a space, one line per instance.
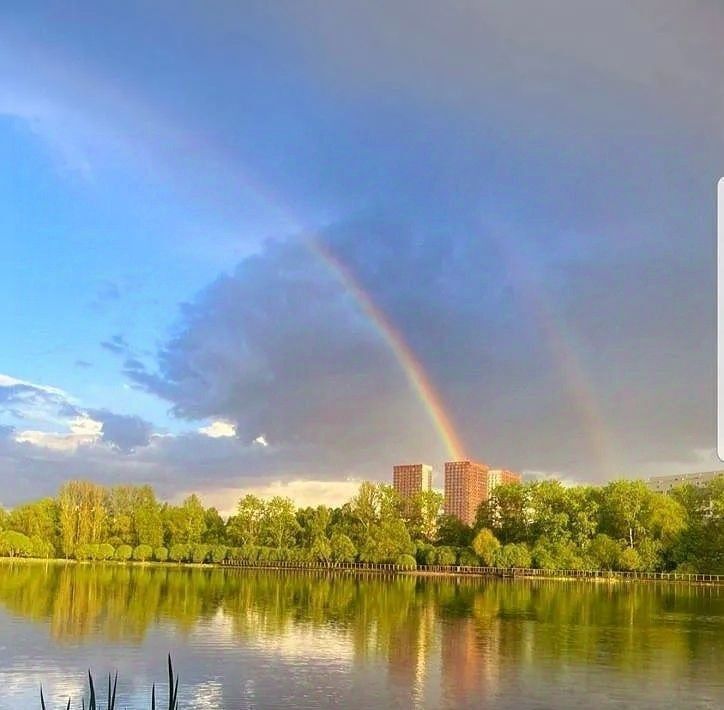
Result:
x=453 y=571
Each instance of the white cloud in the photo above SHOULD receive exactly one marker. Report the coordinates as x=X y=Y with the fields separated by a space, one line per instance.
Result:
x=83 y=432
x=49 y=418
x=85 y=426
x=218 y=429
x=8 y=381
x=261 y=440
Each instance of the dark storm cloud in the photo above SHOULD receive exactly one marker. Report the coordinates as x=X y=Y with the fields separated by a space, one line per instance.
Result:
x=124 y=432
x=547 y=359
x=279 y=348
x=441 y=110
x=457 y=53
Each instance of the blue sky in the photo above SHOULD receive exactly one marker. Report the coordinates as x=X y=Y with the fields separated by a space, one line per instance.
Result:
x=528 y=197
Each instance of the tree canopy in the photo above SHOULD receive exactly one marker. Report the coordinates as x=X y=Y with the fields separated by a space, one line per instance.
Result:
x=620 y=526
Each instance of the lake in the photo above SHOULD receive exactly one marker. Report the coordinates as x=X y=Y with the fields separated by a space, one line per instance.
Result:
x=265 y=639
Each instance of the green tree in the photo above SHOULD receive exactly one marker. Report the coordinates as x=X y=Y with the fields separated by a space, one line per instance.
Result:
x=41 y=548
x=81 y=514
x=15 y=544
x=445 y=556
x=406 y=562
x=215 y=527
x=200 y=553
x=584 y=504
x=185 y=524
x=141 y=553
x=424 y=511
x=549 y=511
x=85 y=551
x=36 y=519
x=105 y=552
x=147 y=518
x=178 y=552
x=342 y=548
x=486 y=546
x=279 y=525
x=218 y=553
x=120 y=505
x=364 y=508
x=629 y=560
x=124 y=553
x=507 y=513
x=624 y=510
x=320 y=549
x=700 y=546
x=514 y=555
x=453 y=532
x=666 y=519
x=245 y=527
x=468 y=558
x=604 y=552
x=559 y=554
x=386 y=542
x=650 y=554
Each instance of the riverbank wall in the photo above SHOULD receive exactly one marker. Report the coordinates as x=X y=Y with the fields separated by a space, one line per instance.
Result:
x=420 y=570
x=473 y=571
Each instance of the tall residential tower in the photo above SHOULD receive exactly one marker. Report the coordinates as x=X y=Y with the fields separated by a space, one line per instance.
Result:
x=409 y=479
x=468 y=484
x=466 y=487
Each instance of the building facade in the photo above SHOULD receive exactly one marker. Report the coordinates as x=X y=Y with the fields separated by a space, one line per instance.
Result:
x=663 y=484
x=409 y=479
x=466 y=487
x=502 y=476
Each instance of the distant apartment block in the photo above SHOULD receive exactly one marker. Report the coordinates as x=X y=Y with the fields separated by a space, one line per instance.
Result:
x=501 y=476
x=469 y=483
x=466 y=487
x=663 y=484
x=409 y=479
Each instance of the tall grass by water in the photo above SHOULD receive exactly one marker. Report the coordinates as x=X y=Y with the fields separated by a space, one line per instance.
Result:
x=94 y=703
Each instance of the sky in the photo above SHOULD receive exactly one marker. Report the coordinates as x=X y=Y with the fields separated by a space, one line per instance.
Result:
x=280 y=247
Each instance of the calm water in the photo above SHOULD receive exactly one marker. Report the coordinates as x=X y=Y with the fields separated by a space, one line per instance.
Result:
x=243 y=639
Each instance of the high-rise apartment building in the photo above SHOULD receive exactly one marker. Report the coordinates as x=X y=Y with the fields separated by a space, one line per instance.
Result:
x=501 y=476
x=409 y=479
x=466 y=487
x=468 y=484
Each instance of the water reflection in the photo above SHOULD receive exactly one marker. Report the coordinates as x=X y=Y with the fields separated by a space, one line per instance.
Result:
x=261 y=639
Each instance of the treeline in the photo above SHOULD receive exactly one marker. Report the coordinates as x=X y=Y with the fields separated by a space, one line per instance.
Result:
x=620 y=526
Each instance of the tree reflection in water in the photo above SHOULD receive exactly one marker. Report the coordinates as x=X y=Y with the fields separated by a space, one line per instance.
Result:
x=476 y=636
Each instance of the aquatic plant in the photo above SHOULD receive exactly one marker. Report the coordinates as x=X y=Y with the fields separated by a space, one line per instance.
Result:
x=95 y=704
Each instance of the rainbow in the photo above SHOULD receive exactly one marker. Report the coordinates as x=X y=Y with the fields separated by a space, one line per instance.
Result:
x=411 y=366
x=564 y=354
x=135 y=108
x=560 y=341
